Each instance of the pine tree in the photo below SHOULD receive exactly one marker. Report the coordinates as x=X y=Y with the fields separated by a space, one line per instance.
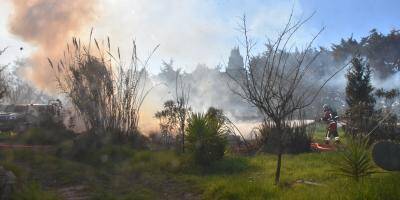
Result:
x=235 y=63
x=359 y=97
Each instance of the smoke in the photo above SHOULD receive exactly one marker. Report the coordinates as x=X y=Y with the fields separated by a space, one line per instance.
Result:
x=47 y=25
x=188 y=31
x=390 y=82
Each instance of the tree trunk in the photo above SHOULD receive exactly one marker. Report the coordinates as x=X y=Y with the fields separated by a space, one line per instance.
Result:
x=183 y=136
x=278 y=167
x=280 y=149
x=183 y=142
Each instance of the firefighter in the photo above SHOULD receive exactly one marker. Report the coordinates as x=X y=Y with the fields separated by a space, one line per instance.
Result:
x=330 y=117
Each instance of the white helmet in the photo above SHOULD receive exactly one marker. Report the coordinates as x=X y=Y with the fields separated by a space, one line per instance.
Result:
x=325 y=107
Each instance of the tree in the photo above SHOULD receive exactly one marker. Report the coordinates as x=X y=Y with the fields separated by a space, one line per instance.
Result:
x=346 y=48
x=273 y=84
x=182 y=93
x=382 y=51
x=3 y=80
x=167 y=73
x=386 y=114
x=235 y=63
x=389 y=97
x=359 y=97
x=20 y=90
x=168 y=120
x=176 y=112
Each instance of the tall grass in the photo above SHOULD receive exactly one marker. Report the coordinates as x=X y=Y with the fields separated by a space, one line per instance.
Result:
x=107 y=93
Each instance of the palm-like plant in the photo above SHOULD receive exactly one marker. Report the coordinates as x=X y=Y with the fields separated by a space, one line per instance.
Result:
x=206 y=138
x=355 y=160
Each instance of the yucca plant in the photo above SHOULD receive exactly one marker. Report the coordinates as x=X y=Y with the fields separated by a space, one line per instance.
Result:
x=355 y=160
x=206 y=138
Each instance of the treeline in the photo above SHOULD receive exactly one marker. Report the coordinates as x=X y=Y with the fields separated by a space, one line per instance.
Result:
x=380 y=51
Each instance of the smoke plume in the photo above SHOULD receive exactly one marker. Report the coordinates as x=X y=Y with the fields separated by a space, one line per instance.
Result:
x=48 y=25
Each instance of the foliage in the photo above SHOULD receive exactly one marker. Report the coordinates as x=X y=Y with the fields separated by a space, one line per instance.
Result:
x=106 y=93
x=34 y=191
x=359 y=88
x=235 y=64
x=45 y=136
x=388 y=95
x=355 y=160
x=275 y=81
x=359 y=98
x=91 y=148
x=21 y=91
x=168 y=122
x=167 y=117
x=385 y=63
x=165 y=174
x=176 y=112
x=297 y=139
x=386 y=115
x=206 y=138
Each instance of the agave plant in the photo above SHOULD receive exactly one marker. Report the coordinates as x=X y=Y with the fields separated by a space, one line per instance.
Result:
x=355 y=160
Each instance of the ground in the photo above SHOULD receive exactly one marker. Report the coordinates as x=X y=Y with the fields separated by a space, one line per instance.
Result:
x=119 y=172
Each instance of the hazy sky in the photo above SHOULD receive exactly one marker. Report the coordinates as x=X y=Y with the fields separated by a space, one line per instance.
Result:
x=204 y=31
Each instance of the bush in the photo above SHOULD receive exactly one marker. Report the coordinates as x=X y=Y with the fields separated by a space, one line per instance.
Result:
x=39 y=136
x=206 y=138
x=81 y=148
x=295 y=140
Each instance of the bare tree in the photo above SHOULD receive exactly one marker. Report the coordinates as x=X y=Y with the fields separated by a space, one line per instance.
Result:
x=106 y=93
x=275 y=84
x=22 y=91
x=182 y=94
x=3 y=78
x=3 y=84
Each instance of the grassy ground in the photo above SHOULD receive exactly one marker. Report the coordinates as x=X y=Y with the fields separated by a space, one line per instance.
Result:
x=118 y=172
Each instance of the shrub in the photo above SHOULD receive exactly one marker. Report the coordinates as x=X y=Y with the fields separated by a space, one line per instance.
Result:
x=295 y=140
x=81 y=148
x=43 y=136
x=206 y=138
x=355 y=160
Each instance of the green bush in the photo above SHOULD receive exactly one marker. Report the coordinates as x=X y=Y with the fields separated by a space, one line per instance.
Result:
x=206 y=138
x=297 y=139
x=93 y=148
x=42 y=136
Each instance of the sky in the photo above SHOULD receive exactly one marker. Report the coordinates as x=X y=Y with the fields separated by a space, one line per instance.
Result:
x=204 y=31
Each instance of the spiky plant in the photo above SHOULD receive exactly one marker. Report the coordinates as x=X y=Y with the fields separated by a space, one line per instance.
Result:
x=206 y=138
x=355 y=160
